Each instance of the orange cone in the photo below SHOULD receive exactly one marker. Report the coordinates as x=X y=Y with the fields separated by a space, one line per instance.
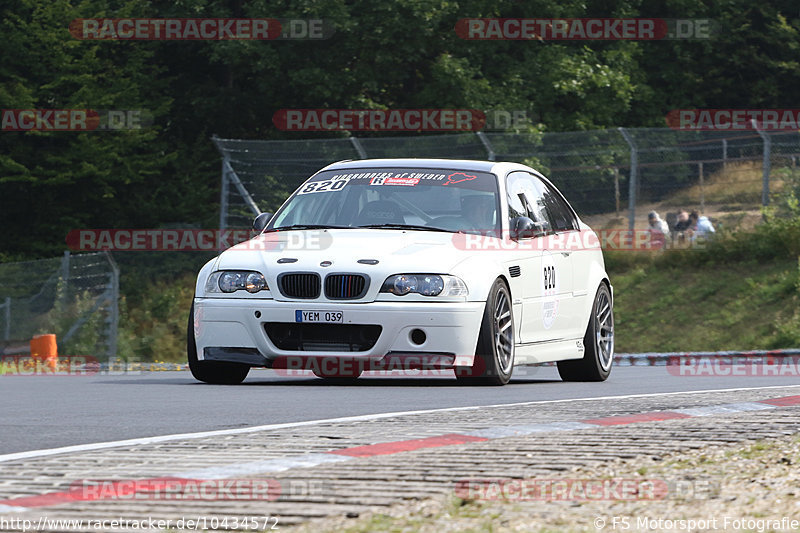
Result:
x=44 y=347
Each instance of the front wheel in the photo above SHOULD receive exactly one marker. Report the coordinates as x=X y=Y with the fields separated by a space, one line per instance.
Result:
x=494 y=353
x=598 y=342
x=214 y=372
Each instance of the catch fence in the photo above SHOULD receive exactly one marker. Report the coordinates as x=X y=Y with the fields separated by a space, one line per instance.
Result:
x=621 y=172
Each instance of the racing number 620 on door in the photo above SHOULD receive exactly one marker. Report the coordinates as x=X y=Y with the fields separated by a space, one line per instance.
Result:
x=549 y=277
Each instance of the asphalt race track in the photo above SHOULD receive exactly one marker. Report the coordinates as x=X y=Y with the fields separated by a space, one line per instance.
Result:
x=333 y=452
x=41 y=412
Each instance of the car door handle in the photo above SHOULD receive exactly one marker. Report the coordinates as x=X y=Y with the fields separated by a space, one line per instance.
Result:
x=565 y=254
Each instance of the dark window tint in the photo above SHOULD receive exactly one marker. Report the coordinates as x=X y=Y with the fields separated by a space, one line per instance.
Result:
x=531 y=197
x=560 y=214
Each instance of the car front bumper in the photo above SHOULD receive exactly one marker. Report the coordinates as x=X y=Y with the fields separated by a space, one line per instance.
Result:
x=233 y=330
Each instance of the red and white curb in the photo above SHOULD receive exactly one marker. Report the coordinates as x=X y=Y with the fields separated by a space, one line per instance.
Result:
x=26 y=503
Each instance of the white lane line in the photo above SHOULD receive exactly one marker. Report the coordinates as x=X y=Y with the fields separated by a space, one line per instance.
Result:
x=346 y=419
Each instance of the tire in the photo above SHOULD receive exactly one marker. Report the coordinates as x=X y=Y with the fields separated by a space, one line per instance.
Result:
x=214 y=372
x=494 y=353
x=598 y=341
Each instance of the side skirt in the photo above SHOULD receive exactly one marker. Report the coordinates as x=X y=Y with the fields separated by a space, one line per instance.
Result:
x=545 y=352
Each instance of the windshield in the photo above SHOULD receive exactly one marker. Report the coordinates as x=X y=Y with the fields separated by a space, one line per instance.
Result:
x=413 y=198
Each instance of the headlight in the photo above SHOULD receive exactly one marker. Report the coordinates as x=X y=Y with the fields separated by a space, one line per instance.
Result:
x=425 y=284
x=228 y=281
x=255 y=282
x=231 y=281
x=403 y=285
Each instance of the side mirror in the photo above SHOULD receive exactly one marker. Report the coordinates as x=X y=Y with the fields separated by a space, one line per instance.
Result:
x=525 y=228
x=261 y=221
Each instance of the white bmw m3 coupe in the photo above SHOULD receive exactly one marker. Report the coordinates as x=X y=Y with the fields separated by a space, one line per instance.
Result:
x=384 y=264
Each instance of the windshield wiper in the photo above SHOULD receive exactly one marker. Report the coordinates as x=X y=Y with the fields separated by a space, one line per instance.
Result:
x=407 y=226
x=307 y=226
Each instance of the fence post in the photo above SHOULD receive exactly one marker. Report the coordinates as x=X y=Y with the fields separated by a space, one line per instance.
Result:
x=702 y=188
x=7 y=307
x=767 y=164
x=65 y=270
x=359 y=147
x=490 y=155
x=223 y=192
x=724 y=153
x=113 y=308
x=231 y=176
x=223 y=196
x=616 y=189
x=632 y=179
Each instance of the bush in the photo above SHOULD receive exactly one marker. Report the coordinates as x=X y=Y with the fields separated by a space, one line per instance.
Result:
x=153 y=325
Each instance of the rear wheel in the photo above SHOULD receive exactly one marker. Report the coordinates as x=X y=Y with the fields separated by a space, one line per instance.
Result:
x=598 y=343
x=494 y=353
x=214 y=372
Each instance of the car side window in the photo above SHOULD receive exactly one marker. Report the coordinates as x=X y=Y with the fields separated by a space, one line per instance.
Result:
x=515 y=197
x=560 y=214
x=525 y=199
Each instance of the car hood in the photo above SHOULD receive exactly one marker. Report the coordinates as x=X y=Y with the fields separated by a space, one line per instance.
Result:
x=395 y=250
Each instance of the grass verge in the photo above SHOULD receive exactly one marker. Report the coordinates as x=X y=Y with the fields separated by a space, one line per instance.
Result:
x=663 y=307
